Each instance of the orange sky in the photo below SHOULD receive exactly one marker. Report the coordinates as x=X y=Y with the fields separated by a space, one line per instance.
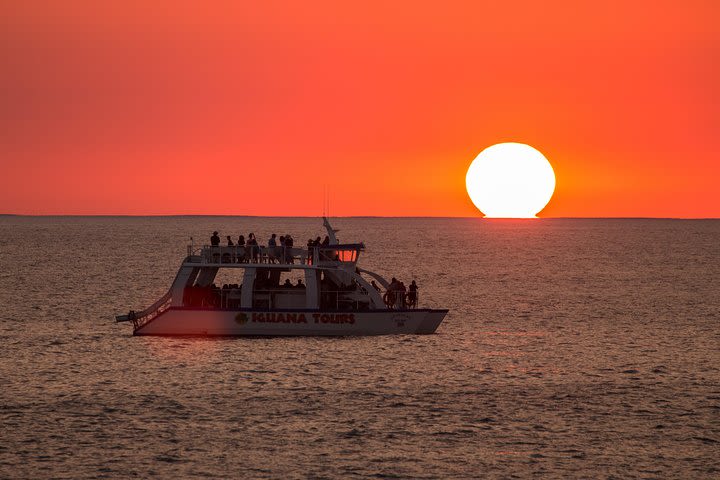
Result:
x=216 y=108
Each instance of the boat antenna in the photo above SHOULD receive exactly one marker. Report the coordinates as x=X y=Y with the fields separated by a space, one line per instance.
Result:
x=326 y=201
x=324 y=213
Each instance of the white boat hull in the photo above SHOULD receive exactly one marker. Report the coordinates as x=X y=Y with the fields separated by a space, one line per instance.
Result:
x=192 y=321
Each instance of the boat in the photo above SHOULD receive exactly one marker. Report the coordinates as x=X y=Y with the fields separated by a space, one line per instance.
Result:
x=333 y=296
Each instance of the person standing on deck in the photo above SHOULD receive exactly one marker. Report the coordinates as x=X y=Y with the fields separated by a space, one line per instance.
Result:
x=215 y=240
x=310 y=247
x=272 y=249
x=412 y=295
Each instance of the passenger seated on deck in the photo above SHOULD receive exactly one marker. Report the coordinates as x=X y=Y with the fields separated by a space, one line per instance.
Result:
x=215 y=240
x=300 y=284
x=287 y=283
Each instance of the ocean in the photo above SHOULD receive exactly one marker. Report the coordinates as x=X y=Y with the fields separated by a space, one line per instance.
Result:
x=573 y=348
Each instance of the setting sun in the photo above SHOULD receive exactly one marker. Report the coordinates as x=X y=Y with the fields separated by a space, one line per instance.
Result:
x=510 y=180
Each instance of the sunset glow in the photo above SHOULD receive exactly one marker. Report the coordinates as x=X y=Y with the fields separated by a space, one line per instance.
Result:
x=250 y=108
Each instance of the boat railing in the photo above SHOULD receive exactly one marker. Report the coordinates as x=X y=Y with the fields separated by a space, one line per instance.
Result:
x=338 y=299
x=333 y=299
x=140 y=319
x=398 y=299
x=258 y=254
x=230 y=296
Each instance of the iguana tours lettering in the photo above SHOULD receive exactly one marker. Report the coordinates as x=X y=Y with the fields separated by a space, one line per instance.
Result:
x=279 y=318
x=302 y=318
x=334 y=317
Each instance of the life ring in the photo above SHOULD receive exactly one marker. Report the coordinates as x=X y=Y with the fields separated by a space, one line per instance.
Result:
x=389 y=298
x=411 y=300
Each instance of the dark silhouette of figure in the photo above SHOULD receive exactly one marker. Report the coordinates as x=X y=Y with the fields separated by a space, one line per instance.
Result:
x=230 y=242
x=272 y=250
x=215 y=240
x=412 y=295
x=241 y=251
x=254 y=249
x=289 y=244
x=282 y=255
x=300 y=284
x=310 y=247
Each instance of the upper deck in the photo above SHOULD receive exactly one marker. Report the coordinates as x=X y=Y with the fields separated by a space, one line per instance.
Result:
x=279 y=257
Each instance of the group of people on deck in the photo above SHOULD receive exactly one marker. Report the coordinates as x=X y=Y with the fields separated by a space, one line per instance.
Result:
x=398 y=295
x=279 y=249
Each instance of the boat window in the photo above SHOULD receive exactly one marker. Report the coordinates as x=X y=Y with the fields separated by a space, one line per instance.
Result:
x=343 y=255
x=228 y=276
x=290 y=279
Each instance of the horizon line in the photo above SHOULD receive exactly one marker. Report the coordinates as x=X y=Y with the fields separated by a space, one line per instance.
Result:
x=121 y=215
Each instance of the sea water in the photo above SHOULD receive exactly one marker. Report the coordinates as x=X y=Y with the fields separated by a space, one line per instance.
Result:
x=573 y=348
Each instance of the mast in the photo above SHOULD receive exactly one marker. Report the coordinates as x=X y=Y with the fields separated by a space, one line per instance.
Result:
x=331 y=231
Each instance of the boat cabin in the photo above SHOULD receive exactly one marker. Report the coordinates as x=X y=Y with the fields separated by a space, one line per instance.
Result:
x=257 y=277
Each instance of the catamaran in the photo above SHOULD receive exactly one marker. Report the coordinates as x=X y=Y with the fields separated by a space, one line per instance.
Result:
x=336 y=297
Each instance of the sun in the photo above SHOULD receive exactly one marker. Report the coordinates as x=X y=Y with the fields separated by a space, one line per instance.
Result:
x=510 y=180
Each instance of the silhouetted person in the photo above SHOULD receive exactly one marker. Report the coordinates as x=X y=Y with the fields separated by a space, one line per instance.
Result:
x=272 y=250
x=300 y=284
x=252 y=244
x=230 y=242
x=412 y=294
x=241 y=252
x=402 y=290
x=289 y=244
x=287 y=283
x=215 y=240
x=310 y=246
x=326 y=241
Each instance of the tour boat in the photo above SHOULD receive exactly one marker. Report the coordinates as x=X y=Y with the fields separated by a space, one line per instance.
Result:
x=336 y=298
